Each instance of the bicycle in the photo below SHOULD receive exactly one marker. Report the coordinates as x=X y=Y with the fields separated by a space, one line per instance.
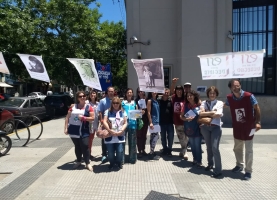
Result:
x=5 y=143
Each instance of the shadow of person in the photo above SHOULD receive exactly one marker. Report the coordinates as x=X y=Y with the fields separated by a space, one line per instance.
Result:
x=182 y=164
x=103 y=169
x=171 y=158
x=229 y=174
x=69 y=166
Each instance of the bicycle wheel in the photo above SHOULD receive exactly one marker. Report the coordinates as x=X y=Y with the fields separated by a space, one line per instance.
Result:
x=23 y=134
x=8 y=127
x=5 y=144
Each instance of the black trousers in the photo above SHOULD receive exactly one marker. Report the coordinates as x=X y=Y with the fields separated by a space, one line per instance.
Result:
x=104 y=148
x=81 y=148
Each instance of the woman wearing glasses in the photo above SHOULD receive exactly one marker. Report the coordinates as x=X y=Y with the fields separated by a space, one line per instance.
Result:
x=77 y=126
x=115 y=122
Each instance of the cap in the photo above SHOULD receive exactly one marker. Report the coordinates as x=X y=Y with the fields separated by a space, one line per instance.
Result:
x=187 y=83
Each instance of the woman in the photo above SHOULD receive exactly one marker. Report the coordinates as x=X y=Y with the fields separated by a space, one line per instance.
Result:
x=212 y=133
x=115 y=122
x=192 y=130
x=178 y=99
x=129 y=104
x=77 y=126
x=153 y=110
x=92 y=99
x=141 y=134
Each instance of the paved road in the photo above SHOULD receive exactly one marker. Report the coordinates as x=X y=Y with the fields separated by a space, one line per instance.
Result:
x=43 y=170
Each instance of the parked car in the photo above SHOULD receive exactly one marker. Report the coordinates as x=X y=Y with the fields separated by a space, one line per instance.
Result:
x=4 y=96
x=6 y=121
x=23 y=107
x=37 y=95
x=59 y=103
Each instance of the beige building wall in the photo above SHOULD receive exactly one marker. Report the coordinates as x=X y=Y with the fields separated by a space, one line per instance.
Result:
x=179 y=30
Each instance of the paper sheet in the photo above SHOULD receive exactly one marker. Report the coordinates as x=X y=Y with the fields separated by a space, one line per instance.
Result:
x=156 y=129
x=134 y=114
x=252 y=132
x=190 y=113
x=142 y=104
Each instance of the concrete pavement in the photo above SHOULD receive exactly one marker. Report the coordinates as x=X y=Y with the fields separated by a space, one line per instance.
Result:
x=43 y=170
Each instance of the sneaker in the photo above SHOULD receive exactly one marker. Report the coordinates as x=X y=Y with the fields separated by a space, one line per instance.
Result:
x=76 y=165
x=169 y=154
x=164 y=152
x=104 y=159
x=199 y=165
x=91 y=157
x=186 y=157
x=120 y=166
x=144 y=153
x=110 y=167
x=216 y=175
x=154 y=156
x=237 y=169
x=208 y=168
x=194 y=163
x=247 y=176
x=89 y=167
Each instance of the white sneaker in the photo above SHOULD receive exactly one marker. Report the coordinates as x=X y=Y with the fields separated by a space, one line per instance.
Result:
x=89 y=167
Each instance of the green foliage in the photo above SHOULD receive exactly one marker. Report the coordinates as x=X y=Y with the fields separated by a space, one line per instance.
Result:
x=59 y=29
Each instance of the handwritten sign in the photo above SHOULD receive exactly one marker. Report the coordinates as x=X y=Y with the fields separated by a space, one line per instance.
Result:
x=243 y=64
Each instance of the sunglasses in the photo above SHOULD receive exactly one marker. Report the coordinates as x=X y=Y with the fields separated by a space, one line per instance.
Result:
x=115 y=103
x=81 y=96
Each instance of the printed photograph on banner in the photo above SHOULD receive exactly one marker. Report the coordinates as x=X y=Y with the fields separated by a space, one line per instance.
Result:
x=216 y=66
x=35 y=66
x=247 y=64
x=150 y=74
x=87 y=72
x=3 y=67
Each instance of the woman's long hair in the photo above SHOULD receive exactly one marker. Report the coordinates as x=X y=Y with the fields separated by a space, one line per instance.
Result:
x=125 y=96
x=89 y=98
x=179 y=87
x=195 y=94
x=117 y=99
x=77 y=96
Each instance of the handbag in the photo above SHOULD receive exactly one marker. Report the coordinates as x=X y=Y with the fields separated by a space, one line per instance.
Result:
x=102 y=132
x=139 y=123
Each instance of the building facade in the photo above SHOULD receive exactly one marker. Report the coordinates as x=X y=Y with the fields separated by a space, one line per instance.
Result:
x=180 y=30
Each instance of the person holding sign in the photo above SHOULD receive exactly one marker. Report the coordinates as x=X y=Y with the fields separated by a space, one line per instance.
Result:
x=153 y=110
x=178 y=99
x=212 y=132
x=190 y=115
x=141 y=134
x=128 y=104
x=246 y=120
x=115 y=116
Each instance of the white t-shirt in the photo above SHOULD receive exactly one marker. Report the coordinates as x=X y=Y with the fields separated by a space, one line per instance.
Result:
x=215 y=105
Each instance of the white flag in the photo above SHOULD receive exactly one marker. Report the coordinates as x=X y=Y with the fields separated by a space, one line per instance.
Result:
x=35 y=67
x=87 y=71
x=150 y=74
x=3 y=67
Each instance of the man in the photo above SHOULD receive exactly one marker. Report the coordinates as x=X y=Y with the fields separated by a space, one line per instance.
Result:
x=166 y=123
x=105 y=104
x=187 y=87
x=246 y=118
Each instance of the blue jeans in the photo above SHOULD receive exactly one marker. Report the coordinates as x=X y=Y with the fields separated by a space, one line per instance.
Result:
x=195 y=144
x=115 y=153
x=167 y=129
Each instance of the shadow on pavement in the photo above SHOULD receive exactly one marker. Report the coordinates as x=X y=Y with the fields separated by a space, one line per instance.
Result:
x=69 y=166
x=182 y=164
x=229 y=174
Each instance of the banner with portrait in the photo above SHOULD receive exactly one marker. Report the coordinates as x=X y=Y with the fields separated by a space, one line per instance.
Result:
x=87 y=72
x=3 y=67
x=35 y=67
x=244 y=64
x=150 y=74
x=105 y=75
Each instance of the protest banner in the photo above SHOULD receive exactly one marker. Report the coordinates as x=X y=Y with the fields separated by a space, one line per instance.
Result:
x=35 y=67
x=105 y=75
x=150 y=74
x=243 y=64
x=3 y=67
x=87 y=71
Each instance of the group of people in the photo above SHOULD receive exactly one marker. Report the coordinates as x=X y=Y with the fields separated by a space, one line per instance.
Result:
x=179 y=108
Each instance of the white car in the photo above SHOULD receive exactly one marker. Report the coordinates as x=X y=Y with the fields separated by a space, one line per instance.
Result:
x=37 y=95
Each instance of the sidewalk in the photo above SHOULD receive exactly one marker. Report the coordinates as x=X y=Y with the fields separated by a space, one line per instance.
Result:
x=43 y=171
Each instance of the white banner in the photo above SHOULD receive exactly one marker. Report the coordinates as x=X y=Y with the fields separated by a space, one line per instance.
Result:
x=87 y=71
x=243 y=64
x=3 y=67
x=150 y=74
x=35 y=66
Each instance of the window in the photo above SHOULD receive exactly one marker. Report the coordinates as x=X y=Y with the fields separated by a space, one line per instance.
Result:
x=167 y=76
x=254 y=29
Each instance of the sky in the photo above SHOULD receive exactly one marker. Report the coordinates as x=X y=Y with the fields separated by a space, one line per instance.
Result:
x=112 y=10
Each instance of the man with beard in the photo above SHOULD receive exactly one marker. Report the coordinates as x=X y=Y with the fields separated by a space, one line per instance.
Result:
x=243 y=102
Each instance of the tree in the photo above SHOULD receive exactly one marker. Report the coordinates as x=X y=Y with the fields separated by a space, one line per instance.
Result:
x=58 y=29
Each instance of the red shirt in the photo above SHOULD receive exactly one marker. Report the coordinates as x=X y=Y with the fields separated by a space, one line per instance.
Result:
x=178 y=105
